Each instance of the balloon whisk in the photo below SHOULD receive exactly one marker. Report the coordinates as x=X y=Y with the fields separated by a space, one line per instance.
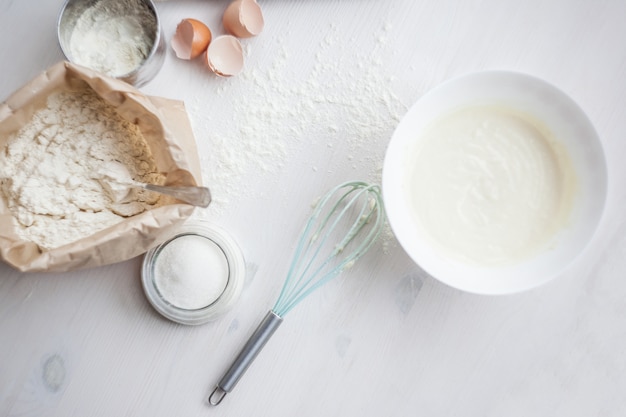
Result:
x=343 y=226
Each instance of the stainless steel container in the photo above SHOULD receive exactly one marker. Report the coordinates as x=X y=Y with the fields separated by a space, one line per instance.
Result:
x=152 y=57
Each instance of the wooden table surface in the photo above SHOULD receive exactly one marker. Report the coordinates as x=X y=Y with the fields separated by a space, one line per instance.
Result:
x=323 y=88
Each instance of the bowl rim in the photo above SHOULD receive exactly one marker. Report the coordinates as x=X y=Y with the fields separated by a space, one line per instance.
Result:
x=457 y=92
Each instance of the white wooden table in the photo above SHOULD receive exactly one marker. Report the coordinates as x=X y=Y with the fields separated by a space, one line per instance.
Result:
x=385 y=339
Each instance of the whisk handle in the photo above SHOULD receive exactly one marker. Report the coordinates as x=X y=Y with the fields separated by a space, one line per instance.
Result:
x=249 y=352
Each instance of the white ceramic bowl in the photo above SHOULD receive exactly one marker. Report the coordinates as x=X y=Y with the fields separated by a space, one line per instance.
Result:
x=570 y=126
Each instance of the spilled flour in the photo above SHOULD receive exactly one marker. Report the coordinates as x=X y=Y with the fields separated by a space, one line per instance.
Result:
x=346 y=98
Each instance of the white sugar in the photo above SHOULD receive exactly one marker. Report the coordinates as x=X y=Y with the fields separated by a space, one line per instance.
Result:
x=191 y=272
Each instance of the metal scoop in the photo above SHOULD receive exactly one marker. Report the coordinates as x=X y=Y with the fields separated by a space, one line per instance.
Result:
x=196 y=196
x=115 y=178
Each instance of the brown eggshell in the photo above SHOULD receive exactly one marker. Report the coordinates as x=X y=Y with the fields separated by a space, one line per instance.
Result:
x=243 y=18
x=224 y=56
x=191 y=39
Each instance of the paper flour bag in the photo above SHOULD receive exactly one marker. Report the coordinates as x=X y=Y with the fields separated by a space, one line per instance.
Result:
x=68 y=140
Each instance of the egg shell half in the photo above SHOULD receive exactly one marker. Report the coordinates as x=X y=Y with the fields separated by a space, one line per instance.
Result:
x=243 y=18
x=191 y=39
x=225 y=56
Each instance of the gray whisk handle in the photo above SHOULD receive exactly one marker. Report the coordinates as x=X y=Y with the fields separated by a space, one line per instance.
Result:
x=249 y=352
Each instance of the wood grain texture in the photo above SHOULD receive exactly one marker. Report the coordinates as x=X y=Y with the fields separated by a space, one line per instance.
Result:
x=385 y=339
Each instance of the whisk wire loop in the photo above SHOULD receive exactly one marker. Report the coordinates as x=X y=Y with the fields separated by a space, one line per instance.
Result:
x=307 y=272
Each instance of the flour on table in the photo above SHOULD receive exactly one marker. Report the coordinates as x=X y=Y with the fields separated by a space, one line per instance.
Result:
x=349 y=101
x=57 y=171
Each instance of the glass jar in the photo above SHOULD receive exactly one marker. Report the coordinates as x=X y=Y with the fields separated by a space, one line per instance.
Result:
x=195 y=275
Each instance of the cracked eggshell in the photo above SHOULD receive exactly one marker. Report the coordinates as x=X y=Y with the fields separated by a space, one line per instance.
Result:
x=191 y=39
x=243 y=18
x=225 y=56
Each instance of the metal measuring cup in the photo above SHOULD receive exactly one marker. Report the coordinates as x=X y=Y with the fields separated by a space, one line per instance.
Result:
x=72 y=10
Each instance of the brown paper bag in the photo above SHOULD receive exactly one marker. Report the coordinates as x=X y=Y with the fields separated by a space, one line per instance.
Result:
x=166 y=128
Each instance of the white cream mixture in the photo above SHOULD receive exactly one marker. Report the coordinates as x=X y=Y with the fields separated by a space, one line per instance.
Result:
x=489 y=185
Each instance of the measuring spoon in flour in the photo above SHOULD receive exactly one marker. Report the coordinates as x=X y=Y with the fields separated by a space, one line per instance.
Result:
x=116 y=181
x=196 y=196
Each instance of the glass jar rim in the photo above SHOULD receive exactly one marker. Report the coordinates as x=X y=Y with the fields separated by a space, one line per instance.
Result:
x=231 y=292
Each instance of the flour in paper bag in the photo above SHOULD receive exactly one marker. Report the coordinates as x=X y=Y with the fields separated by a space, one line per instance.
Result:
x=57 y=173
